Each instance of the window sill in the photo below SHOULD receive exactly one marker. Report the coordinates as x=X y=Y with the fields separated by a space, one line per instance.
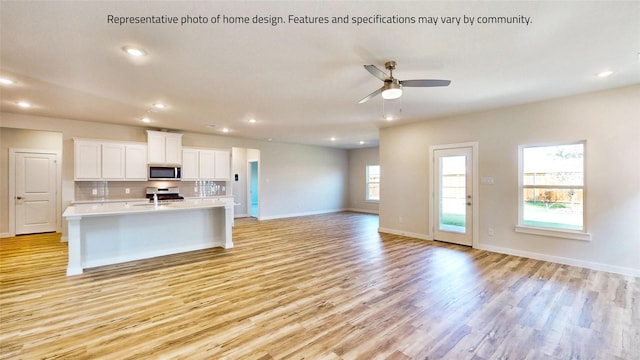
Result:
x=372 y=201
x=567 y=234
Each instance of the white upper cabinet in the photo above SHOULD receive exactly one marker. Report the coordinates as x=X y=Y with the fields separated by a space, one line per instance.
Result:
x=190 y=165
x=109 y=160
x=164 y=147
x=113 y=158
x=135 y=162
x=87 y=160
x=223 y=165
x=205 y=164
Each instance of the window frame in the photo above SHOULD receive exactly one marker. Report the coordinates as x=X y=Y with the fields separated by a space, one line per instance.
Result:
x=366 y=190
x=550 y=231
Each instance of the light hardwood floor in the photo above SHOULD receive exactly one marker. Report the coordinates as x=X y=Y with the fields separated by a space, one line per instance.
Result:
x=317 y=287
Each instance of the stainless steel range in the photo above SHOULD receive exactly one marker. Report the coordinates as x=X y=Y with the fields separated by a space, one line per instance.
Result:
x=165 y=194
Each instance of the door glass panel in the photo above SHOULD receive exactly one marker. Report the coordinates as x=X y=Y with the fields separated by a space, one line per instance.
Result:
x=453 y=194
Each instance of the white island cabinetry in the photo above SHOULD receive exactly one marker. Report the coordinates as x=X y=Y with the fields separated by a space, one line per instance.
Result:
x=110 y=233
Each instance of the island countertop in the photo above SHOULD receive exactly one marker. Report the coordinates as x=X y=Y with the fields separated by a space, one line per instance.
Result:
x=135 y=207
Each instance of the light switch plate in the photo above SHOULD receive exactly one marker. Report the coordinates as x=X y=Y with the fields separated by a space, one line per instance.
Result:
x=486 y=180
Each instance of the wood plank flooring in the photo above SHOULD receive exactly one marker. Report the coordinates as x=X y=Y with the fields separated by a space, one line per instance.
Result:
x=317 y=287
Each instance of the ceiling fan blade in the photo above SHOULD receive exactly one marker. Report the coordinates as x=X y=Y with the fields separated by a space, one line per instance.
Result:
x=366 y=98
x=377 y=72
x=425 y=83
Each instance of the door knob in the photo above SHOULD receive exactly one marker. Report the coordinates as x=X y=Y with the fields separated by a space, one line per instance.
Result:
x=469 y=203
x=19 y=197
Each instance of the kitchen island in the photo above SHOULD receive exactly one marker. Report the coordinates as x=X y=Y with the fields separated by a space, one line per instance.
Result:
x=110 y=233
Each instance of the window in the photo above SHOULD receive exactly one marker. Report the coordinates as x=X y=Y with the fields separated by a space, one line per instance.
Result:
x=373 y=183
x=552 y=190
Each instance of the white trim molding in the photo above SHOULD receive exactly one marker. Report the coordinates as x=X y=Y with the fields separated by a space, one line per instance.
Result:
x=567 y=234
x=562 y=260
x=405 y=233
x=363 y=211
x=308 y=213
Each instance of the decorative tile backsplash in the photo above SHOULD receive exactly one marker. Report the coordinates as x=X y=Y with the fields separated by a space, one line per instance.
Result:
x=117 y=190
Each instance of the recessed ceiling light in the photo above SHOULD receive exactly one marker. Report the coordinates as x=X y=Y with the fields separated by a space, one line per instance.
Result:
x=159 y=106
x=212 y=126
x=146 y=120
x=6 y=81
x=134 y=51
x=24 y=104
x=225 y=130
x=253 y=121
x=389 y=118
x=605 y=74
x=361 y=142
x=333 y=138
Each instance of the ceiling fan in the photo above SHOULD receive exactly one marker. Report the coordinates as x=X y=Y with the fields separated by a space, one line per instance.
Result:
x=392 y=88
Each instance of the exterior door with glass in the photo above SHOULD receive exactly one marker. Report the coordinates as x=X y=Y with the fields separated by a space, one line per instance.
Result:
x=453 y=195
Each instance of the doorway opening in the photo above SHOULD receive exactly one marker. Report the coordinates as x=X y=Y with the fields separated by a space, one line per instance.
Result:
x=253 y=196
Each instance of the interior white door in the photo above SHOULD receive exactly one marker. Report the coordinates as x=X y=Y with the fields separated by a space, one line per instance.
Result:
x=35 y=193
x=453 y=195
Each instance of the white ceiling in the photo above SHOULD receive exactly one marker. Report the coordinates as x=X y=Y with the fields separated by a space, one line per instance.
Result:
x=302 y=82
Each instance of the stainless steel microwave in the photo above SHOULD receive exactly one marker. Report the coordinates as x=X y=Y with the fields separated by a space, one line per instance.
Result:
x=164 y=172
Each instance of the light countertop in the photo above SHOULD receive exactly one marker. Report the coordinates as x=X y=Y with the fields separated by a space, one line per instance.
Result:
x=138 y=207
x=134 y=200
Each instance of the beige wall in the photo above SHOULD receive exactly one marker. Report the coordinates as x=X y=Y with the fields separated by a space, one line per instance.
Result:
x=607 y=120
x=358 y=160
x=20 y=139
x=295 y=179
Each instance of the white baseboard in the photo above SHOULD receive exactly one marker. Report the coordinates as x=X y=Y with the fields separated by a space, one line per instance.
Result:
x=236 y=215
x=562 y=260
x=308 y=213
x=363 y=211
x=405 y=233
x=531 y=255
x=5 y=235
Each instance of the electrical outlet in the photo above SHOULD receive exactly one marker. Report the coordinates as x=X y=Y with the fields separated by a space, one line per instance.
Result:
x=94 y=191
x=491 y=232
x=127 y=191
x=195 y=189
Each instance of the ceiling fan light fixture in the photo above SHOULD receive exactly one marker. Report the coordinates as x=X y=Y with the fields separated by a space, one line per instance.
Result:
x=391 y=90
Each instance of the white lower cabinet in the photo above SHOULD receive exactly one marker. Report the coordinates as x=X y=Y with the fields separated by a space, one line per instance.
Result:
x=205 y=164
x=102 y=160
